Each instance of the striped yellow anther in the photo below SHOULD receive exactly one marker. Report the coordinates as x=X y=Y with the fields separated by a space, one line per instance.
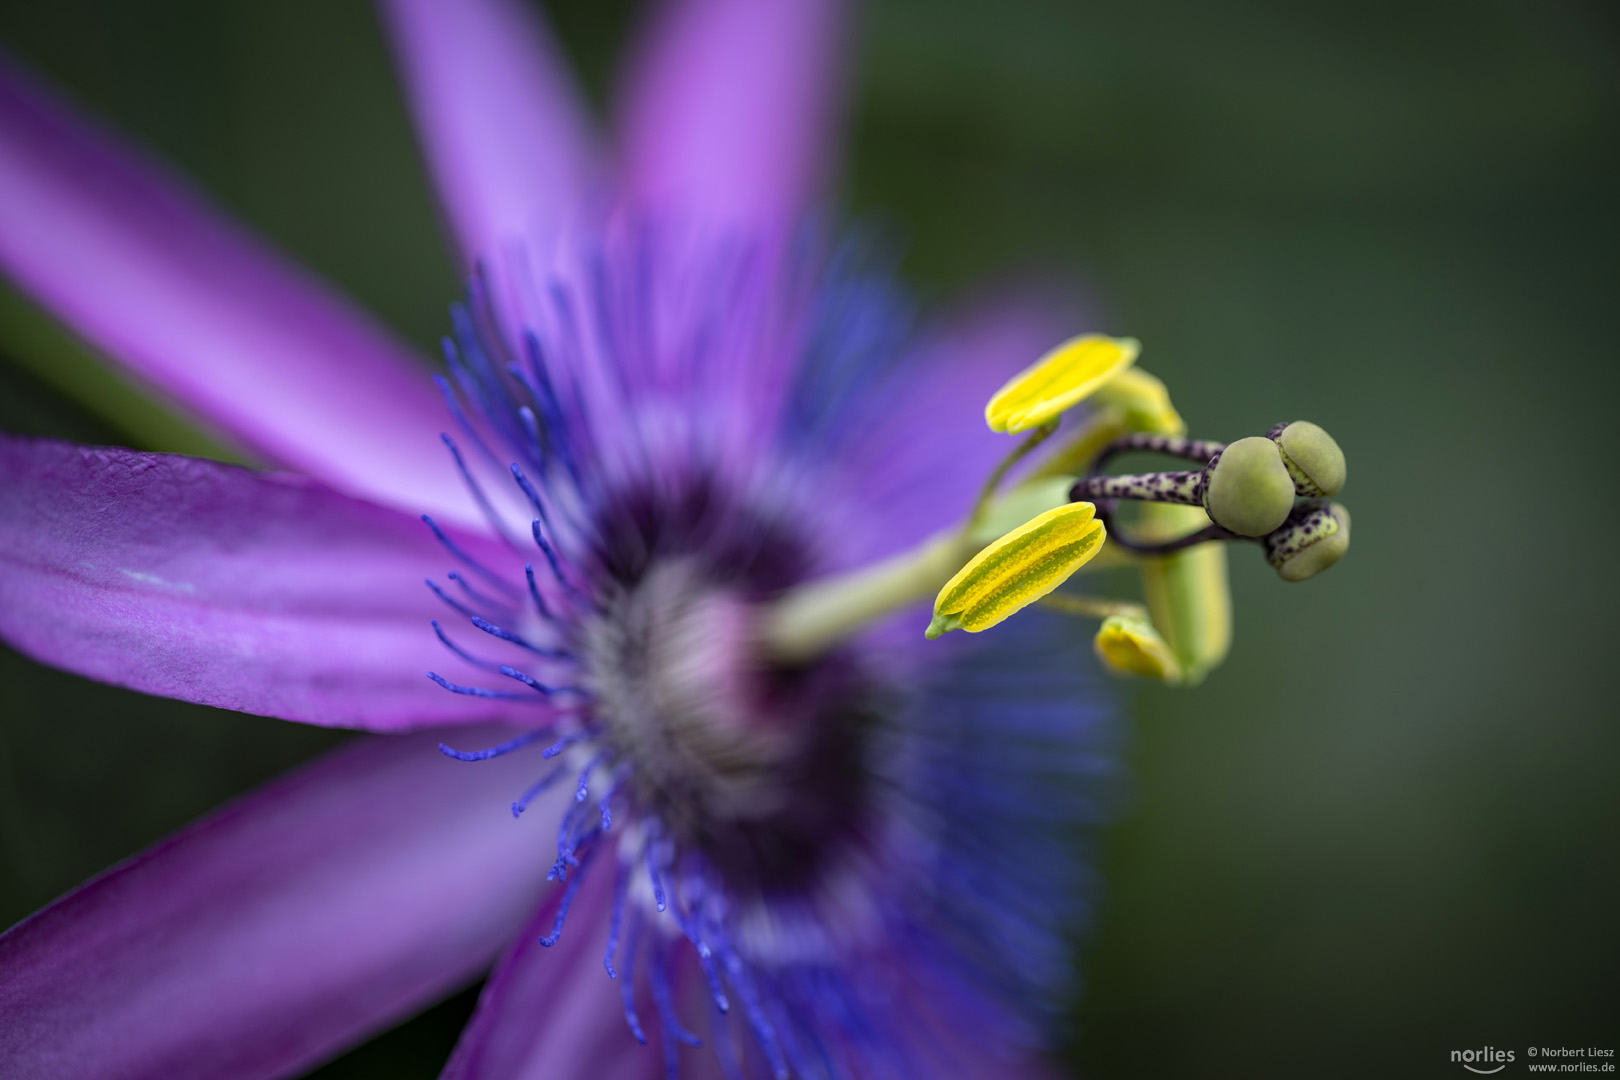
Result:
x=1144 y=401
x=1018 y=569
x=1131 y=646
x=1057 y=381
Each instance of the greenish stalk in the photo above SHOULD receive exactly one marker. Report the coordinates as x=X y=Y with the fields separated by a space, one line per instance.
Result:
x=1095 y=434
x=810 y=619
x=988 y=492
x=1188 y=592
x=1093 y=607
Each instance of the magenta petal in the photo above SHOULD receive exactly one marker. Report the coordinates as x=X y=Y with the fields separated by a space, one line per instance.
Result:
x=142 y=267
x=260 y=592
x=498 y=115
x=270 y=935
x=554 y=1012
x=729 y=107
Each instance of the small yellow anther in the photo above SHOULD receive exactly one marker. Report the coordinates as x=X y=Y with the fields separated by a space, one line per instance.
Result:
x=1057 y=381
x=1130 y=646
x=1144 y=401
x=1018 y=569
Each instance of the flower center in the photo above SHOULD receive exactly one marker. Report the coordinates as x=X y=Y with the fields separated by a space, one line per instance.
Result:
x=761 y=767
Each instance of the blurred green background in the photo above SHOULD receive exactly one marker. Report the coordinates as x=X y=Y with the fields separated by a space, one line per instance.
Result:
x=1386 y=829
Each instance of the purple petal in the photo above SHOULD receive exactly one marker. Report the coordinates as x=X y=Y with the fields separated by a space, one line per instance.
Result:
x=498 y=115
x=260 y=592
x=284 y=927
x=730 y=107
x=132 y=259
x=554 y=1012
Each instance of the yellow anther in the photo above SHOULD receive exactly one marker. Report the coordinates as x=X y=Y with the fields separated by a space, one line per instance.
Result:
x=1018 y=569
x=1130 y=646
x=1187 y=591
x=1058 y=380
x=1144 y=401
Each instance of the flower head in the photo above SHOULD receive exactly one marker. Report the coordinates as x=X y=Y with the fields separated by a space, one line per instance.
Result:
x=692 y=470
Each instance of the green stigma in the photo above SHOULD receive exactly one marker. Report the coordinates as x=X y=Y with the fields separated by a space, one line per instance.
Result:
x=1247 y=489
x=1316 y=535
x=1312 y=458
